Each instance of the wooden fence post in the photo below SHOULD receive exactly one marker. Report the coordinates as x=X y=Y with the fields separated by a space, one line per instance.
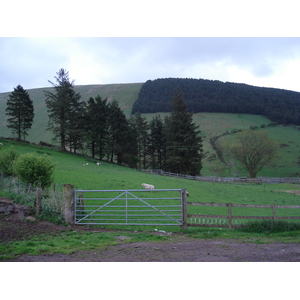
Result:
x=184 y=209
x=38 y=201
x=68 y=204
x=274 y=212
x=229 y=215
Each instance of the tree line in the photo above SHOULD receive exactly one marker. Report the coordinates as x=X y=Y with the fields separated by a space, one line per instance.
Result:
x=100 y=129
x=280 y=106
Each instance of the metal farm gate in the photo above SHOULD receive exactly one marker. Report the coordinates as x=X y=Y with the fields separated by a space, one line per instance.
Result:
x=129 y=207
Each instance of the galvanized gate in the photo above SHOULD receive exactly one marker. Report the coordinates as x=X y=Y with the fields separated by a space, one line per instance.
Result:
x=129 y=207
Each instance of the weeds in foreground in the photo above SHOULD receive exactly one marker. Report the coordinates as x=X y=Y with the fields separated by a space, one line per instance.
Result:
x=70 y=241
x=269 y=226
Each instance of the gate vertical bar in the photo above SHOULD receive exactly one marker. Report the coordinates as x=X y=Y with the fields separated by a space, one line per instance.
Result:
x=75 y=208
x=184 y=209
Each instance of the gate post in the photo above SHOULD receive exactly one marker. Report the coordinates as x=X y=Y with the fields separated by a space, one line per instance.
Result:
x=68 y=203
x=184 y=209
x=229 y=215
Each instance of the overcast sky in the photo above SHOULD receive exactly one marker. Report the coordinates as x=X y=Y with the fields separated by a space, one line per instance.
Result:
x=236 y=42
x=31 y=62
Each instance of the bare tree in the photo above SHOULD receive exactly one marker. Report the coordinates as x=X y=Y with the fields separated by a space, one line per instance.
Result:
x=255 y=150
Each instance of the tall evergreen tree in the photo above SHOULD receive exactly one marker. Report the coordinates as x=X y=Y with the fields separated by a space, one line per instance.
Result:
x=64 y=108
x=183 y=140
x=20 y=111
x=157 y=142
x=97 y=117
x=118 y=132
x=140 y=128
x=76 y=123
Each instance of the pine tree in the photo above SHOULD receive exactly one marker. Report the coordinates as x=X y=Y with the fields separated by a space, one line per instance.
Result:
x=183 y=140
x=20 y=111
x=97 y=126
x=118 y=131
x=157 y=142
x=64 y=109
x=140 y=128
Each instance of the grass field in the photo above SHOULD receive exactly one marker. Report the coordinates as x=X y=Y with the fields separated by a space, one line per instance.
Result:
x=288 y=160
x=211 y=125
x=125 y=94
x=69 y=169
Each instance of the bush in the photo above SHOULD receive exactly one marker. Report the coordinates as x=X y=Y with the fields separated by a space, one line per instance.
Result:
x=34 y=169
x=269 y=226
x=7 y=159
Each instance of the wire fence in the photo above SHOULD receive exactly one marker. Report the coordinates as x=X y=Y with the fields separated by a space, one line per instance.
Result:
x=259 y=180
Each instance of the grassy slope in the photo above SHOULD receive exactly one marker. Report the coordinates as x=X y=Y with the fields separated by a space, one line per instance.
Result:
x=287 y=164
x=211 y=124
x=69 y=169
x=125 y=94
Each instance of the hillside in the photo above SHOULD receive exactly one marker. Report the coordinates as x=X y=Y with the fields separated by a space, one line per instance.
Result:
x=212 y=124
x=125 y=94
x=280 y=106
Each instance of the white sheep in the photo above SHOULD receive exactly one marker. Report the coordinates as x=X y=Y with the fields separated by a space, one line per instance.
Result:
x=98 y=164
x=148 y=186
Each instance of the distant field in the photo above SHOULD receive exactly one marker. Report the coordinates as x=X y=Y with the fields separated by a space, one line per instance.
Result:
x=125 y=94
x=211 y=124
x=69 y=169
x=288 y=161
x=216 y=124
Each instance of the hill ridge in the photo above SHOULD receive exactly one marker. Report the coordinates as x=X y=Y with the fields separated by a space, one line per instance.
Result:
x=202 y=95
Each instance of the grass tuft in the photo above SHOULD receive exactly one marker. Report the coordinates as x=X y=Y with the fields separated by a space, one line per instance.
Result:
x=269 y=226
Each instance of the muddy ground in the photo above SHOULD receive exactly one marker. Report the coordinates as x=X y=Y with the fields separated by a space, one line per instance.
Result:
x=14 y=226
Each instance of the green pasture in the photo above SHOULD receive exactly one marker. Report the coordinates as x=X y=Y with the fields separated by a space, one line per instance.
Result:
x=211 y=125
x=287 y=164
x=125 y=94
x=70 y=170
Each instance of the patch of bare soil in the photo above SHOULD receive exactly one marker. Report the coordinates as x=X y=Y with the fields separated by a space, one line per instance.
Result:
x=14 y=226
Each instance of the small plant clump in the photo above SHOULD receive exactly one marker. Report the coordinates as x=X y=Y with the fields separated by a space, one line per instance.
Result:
x=34 y=169
x=7 y=159
x=269 y=226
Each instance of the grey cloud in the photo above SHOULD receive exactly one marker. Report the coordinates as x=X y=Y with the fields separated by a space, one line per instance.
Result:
x=32 y=62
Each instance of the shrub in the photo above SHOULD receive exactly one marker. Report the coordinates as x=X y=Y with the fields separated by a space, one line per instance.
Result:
x=34 y=169
x=7 y=158
x=269 y=226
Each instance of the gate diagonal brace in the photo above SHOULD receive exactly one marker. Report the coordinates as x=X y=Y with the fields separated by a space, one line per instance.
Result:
x=102 y=206
x=154 y=208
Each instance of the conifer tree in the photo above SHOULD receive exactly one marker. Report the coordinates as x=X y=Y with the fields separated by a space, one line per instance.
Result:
x=118 y=131
x=64 y=110
x=183 y=140
x=20 y=111
x=140 y=128
x=157 y=142
x=97 y=126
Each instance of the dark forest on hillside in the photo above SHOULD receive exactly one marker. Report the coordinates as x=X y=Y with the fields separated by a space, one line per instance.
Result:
x=280 y=106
